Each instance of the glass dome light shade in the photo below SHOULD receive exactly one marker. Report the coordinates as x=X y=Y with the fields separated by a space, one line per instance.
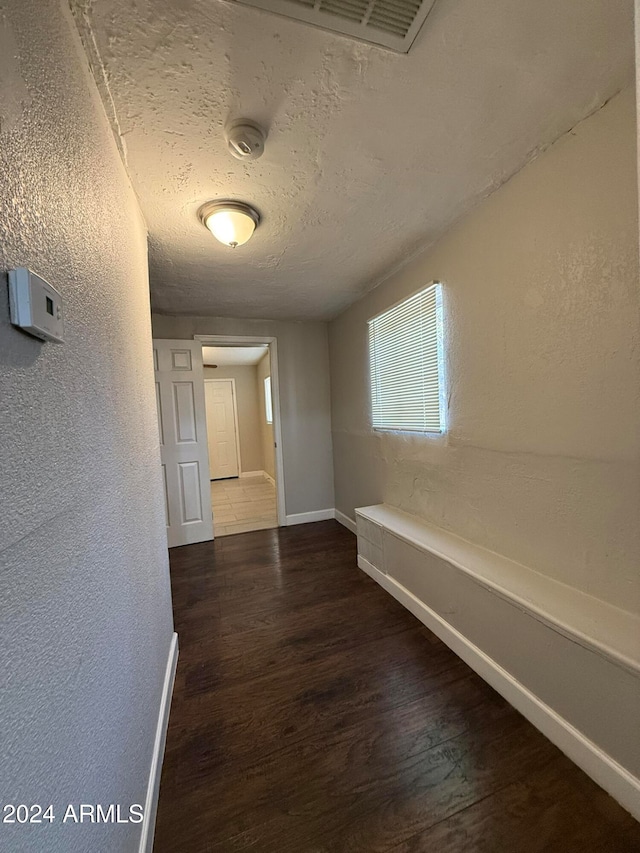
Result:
x=231 y=223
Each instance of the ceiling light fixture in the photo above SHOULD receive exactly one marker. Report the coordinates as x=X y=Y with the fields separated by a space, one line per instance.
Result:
x=230 y=222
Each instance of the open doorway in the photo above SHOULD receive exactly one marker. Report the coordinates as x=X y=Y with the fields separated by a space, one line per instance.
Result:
x=240 y=386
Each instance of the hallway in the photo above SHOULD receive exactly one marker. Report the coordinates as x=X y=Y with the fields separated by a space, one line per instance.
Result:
x=312 y=713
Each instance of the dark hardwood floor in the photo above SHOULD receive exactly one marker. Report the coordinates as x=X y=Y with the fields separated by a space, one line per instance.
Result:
x=313 y=714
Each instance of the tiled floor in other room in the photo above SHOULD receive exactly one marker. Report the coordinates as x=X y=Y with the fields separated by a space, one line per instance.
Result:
x=243 y=504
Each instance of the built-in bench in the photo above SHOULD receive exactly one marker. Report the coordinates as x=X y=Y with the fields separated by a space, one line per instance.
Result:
x=568 y=661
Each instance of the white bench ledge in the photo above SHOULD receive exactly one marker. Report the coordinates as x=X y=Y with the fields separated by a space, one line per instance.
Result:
x=589 y=621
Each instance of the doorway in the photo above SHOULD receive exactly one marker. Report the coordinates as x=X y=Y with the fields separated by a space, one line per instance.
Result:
x=242 y=415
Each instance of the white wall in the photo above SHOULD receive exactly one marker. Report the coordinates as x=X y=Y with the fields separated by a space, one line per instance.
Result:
x=541 y=461
x=303 y=366
x=85 y=602
x=249 y=415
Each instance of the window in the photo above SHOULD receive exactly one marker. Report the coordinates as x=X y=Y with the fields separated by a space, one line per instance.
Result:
x=406 y=364
x=268 y=406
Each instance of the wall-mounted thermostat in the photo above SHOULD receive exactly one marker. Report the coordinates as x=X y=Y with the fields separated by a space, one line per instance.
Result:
x=35 y=306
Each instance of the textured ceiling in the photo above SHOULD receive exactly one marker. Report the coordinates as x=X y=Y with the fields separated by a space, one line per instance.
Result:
x=371 y=154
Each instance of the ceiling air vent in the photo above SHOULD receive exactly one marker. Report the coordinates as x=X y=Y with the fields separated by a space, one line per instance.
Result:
x=388 y=23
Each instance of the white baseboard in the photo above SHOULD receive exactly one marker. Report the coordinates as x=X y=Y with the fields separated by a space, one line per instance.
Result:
x=321 y=515
x=345 y=521
x=153 y=786
x=306 y=517
x=259 y=474
x=610 y=775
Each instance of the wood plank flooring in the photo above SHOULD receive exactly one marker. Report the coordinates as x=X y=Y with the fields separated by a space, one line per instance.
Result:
x=313 y=714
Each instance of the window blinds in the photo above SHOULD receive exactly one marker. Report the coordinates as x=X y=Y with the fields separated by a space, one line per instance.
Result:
x=406 y=363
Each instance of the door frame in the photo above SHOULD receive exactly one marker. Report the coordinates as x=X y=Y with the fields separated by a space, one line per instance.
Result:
x=272 y=343
x=236 y=425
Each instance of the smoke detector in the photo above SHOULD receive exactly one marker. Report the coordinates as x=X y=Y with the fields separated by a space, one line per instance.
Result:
x=245 y=139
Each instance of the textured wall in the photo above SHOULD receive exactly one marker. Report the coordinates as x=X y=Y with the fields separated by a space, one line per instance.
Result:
x=84 y=593
x=249 y=416
x=541 y=462
x=305 y=406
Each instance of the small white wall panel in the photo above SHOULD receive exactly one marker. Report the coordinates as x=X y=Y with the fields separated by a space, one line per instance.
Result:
x=184 y=410
x=372 y=553
x=369 y=530
x=190 y=492
x=370 y=541
x=181 y=359
x=223 y=453
x=166 y=494
x=159 y=413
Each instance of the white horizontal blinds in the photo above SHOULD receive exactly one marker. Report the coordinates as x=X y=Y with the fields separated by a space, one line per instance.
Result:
x=405 y=359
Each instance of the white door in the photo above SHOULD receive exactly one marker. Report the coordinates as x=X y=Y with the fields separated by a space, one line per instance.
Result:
x=222 y=428
x=183 y=441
